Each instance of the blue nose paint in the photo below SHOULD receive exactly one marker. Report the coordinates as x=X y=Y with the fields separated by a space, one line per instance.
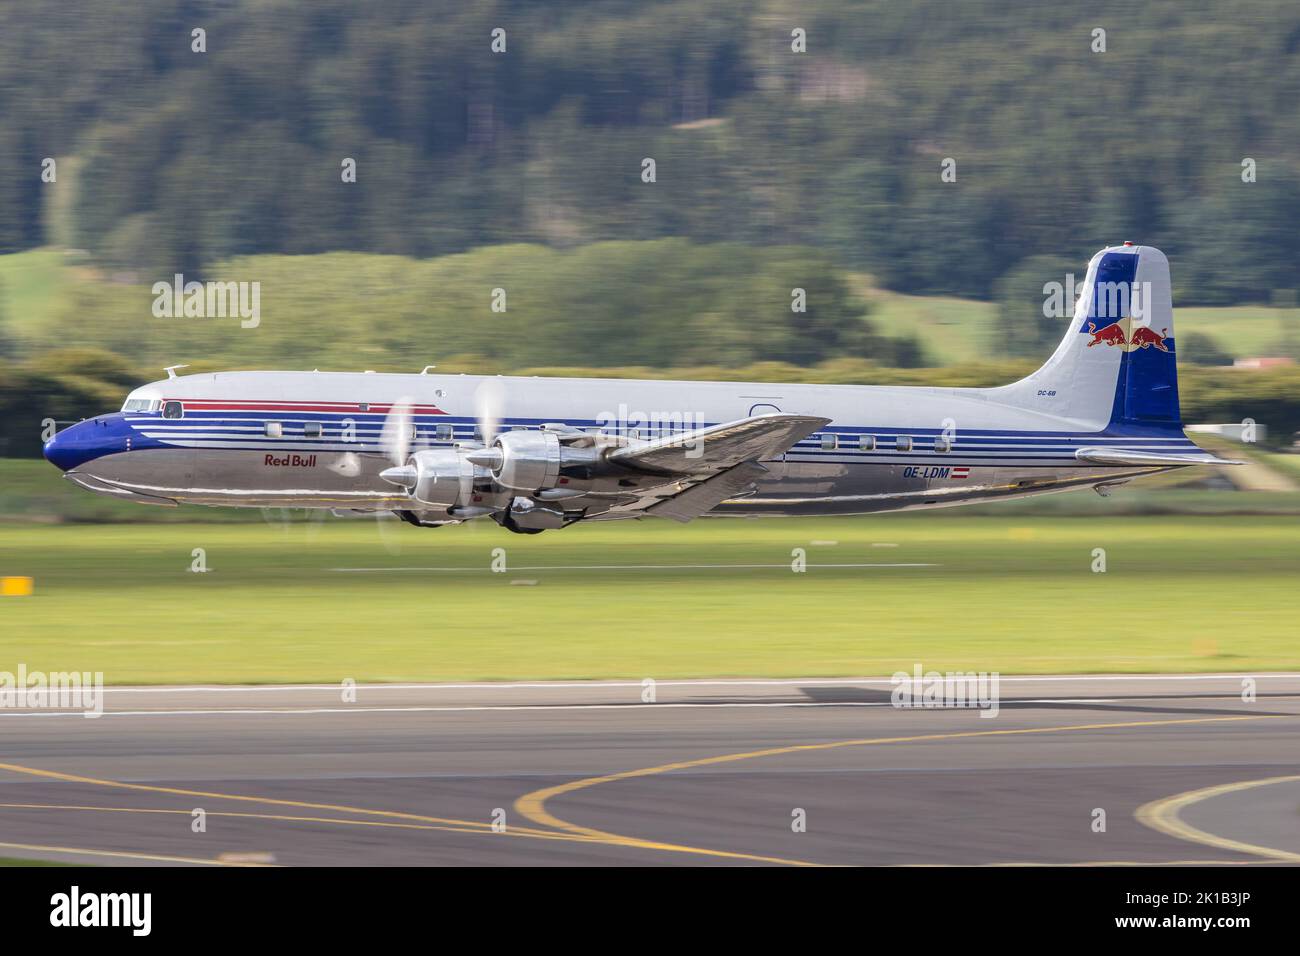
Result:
x=88 y=440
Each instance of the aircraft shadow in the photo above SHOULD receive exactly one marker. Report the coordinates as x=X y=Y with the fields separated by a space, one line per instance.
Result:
x=861 y=695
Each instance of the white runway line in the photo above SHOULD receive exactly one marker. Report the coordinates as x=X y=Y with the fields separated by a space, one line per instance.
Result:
x=631 y=705
x=681 y=682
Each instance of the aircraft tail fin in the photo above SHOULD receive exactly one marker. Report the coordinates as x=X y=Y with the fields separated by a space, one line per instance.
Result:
x=1116 y=367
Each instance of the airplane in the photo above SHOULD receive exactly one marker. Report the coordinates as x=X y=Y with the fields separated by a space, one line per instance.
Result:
x=542 y=453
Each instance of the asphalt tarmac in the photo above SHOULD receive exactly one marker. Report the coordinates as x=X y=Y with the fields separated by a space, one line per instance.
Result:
x=1155 y=769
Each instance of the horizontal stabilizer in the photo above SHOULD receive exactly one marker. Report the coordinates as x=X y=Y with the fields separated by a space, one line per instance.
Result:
x=1127 y=456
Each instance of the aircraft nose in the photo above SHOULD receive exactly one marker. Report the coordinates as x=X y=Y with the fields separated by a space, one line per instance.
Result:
x=58 y=450
x=83 y=442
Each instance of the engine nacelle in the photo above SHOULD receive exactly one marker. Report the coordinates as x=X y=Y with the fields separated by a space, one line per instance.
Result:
x=538 y=463
x=529 y=461
x=443 y=478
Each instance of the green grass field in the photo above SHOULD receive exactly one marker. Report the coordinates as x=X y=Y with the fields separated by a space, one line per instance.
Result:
x=1014 y=594
x=30 y=283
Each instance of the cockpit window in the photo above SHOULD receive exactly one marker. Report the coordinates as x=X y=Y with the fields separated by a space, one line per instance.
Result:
x=141 y=405
x=172 y=410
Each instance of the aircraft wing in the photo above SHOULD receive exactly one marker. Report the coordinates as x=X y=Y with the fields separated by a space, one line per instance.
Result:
x=708 y=494
x=1126 y=456
x=709 y=464
x=716 y=448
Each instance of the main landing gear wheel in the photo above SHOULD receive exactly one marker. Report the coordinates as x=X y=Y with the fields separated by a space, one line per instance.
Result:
x=507 y=521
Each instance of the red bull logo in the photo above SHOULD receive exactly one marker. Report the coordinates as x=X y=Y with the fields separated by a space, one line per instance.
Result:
x=1110 y=335
x=1142 y=337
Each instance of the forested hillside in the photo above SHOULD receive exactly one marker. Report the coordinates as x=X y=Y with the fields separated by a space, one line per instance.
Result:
x=501 y=147
x=170 y=159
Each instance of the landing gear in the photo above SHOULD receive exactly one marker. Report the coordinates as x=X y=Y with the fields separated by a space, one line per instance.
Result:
x=507 y=520
x=413 y=517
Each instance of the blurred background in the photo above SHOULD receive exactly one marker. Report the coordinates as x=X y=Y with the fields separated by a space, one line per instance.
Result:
x=523 y=170
x=795 y=146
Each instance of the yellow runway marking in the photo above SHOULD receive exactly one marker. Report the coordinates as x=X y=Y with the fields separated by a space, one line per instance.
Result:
x=271 y=816
x=122 y=854
x=1163 y=815
x=468 y=825
x=566 y=837
x=532 y=806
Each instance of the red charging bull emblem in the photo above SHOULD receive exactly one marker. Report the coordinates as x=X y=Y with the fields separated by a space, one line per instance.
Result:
x=1142 y=337
x=1110 y=335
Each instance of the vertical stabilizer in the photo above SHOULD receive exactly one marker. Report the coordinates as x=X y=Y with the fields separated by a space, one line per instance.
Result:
x=1115 y=367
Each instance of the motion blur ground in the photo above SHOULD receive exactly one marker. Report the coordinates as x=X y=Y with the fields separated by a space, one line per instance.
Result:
x=718 y=597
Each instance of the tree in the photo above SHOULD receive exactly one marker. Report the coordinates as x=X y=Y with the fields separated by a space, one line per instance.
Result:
x=1023 y=295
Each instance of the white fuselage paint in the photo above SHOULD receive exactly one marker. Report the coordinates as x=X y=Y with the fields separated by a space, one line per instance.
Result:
x=316 y=439
x=220 y=451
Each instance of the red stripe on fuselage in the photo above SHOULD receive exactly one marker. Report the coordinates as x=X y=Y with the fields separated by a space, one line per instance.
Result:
x=222 y=405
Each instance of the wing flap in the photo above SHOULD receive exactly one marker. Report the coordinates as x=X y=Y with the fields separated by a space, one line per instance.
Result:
x=708 y=494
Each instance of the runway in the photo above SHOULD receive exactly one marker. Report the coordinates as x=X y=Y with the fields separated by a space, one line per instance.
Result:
x=1119 y=770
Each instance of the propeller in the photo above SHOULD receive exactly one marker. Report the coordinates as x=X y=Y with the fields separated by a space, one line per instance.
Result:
x=395 y=440
x=489 y=401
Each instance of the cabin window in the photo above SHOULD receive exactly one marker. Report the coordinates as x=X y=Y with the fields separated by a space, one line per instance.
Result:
x=173 y=410
x=942 y=445
x=363 y=406
x=867 y=442
x=311 y=430
x=274 y=430
x=903 y=443
x=830 y=442
x=442 y=433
